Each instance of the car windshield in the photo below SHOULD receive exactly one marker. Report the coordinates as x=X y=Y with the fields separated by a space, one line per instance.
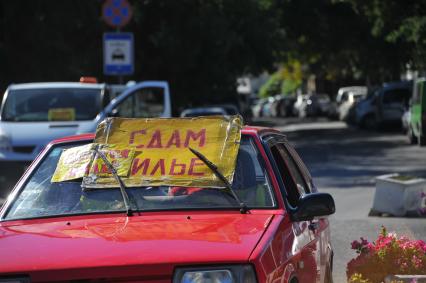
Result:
x=51 y=104
x=206 y=113
x=39 y=197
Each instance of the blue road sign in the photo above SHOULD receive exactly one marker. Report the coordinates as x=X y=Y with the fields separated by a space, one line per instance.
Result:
x=118 y=53
x=116 y=13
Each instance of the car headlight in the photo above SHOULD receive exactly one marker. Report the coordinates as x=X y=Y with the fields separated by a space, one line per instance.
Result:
x=5 y=143
x=218 y=274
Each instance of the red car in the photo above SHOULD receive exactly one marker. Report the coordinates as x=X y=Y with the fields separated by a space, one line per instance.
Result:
x=59 y=232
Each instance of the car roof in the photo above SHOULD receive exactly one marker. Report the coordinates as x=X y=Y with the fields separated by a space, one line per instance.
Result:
x=400 y=84
x=55 y=85
x=247 y=130
x=349 y=88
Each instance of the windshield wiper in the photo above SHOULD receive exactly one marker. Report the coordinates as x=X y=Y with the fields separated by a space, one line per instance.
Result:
x=213 y=167
x=120 y=182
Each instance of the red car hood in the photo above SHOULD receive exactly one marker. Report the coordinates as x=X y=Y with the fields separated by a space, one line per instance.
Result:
x=151 y=243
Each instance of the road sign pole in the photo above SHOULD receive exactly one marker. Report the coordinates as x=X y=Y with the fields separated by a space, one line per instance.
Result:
x=118 y=47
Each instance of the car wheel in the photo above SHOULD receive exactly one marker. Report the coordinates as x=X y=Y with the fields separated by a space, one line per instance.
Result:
x=422 y=140
x=411 y=137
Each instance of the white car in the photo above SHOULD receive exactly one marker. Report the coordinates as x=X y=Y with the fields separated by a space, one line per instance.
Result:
x=33 y=114
x=357 y=89
x=349 y=100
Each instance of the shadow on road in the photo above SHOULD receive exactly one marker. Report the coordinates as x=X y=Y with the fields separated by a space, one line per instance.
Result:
x=348 y=157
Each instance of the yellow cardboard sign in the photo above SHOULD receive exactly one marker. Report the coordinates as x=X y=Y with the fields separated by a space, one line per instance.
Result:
x=82 y=161
x=161 y=150
x=73 y=163
x=61 y=114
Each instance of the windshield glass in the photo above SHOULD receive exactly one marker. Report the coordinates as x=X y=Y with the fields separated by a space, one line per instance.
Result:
x=52 y=104
x=41 y=198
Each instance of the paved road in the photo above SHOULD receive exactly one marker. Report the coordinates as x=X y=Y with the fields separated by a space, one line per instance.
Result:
x=344 y=162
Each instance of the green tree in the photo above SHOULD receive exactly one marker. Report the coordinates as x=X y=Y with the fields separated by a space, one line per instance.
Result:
x=335 y=41
x=199 y=46
x=401 y=23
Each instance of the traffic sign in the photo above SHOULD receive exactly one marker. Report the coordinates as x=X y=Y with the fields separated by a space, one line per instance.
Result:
x=118 y=53
x=116 y=13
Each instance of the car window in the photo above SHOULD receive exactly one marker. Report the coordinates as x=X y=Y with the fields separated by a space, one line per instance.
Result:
x=295 y=185
x=143 y=103
x=34 y=105
x=40 y=197
x=294 y=170
x=417 y=92
x=400 y=96
x=301 y=168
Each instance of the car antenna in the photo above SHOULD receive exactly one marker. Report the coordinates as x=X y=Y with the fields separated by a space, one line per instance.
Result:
x=120 y=182
x=213 y=167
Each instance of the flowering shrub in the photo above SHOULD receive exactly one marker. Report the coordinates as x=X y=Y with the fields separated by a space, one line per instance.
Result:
x=387 y=255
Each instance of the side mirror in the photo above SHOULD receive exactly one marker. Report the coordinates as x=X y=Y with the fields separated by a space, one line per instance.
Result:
x=313 y=205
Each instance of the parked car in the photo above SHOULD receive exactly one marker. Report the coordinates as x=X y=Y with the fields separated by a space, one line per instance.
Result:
x=341 y=92
x=257 y=107
x=33 y=114
x=333 y=113
x=58 y=232
x=300 y=105
x=348 y=101
x=283 y=105
x=416 y=128
x=385 y=106
x=267 y=107
x=319 y=104
x=313 y=105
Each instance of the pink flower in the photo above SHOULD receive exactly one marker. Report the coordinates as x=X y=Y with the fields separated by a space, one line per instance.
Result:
x=389 y=254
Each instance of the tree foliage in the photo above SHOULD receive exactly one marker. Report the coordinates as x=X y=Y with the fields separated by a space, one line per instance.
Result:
x=285 y=81
x=202 y=46
x=199 y=46
x=401 y=23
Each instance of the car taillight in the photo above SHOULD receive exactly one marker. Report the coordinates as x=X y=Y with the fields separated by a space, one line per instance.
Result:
x=88 y=80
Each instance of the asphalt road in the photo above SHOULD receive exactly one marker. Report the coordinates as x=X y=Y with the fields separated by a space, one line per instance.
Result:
x=344 y=162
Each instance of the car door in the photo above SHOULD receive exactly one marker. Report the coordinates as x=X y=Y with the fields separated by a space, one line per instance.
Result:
x=318 y=228
x=147 y=99
x=393 y=103
x=294 y=186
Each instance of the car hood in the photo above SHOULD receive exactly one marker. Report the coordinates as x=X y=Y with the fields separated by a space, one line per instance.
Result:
x=35 y=246
x=40 y=133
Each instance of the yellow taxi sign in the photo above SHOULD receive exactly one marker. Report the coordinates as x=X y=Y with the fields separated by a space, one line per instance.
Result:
x=73 y=163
